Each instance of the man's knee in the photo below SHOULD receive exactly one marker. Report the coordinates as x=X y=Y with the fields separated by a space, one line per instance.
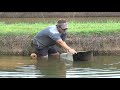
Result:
x=55 y=54
x=43 y=57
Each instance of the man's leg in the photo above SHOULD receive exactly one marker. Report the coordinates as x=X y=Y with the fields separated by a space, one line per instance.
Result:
x=53 y=52
x=42 y=53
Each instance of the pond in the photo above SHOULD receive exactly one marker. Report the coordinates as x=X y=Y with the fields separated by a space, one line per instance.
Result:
x=24 y=67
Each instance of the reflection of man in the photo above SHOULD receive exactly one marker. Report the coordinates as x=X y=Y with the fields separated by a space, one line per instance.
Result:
x=51 y=68
x=44 y=41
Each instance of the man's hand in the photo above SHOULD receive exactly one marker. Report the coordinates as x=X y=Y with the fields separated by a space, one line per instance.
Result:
x=65 y=46
x=72 y=51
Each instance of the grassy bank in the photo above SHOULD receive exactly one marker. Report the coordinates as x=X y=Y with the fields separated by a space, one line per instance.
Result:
x=86 y=28
x=97 y=36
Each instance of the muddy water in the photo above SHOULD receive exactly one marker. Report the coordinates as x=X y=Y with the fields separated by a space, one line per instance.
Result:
x=99 y=67
x=24 y=67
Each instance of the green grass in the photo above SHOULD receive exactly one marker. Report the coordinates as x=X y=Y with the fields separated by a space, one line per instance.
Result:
x=94 y=27
x=75 y=27
x=21 y=28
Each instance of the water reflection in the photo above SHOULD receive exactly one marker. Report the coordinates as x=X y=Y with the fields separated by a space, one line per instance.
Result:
x=92 y=73
x=11 y=62
x=100 y=67
x=24 y=67
x=51 y=68
x=27 y=71
x=17 y=67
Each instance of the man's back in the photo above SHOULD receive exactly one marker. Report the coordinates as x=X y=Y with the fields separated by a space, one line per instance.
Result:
x=47 y=37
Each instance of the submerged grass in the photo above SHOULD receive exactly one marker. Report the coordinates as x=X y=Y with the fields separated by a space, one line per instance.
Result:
x=75 y=28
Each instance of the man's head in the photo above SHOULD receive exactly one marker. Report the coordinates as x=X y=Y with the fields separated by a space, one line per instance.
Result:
x=62 y=25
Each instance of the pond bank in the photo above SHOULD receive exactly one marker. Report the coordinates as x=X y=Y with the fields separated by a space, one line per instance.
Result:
x=99 y=44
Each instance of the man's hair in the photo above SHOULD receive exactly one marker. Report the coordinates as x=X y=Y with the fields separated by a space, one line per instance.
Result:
x=61 y=21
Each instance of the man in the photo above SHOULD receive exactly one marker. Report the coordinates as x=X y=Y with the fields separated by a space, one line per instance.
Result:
x=44 y=41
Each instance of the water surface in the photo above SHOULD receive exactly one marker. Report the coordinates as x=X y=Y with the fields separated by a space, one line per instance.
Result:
x=24 y=67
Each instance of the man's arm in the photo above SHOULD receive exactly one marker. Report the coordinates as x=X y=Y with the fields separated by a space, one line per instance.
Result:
x=65 y=46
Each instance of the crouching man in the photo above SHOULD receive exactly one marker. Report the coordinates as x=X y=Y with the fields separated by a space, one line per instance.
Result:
x=45 y=40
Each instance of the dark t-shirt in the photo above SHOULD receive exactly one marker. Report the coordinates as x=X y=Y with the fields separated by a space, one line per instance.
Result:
x=48 y=37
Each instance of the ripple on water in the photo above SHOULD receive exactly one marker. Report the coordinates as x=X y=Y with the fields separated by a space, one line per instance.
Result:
x=92 y=73
x=27 y=71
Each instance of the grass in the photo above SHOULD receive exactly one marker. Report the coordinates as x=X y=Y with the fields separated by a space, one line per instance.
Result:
x=21 y=28
x=95 y=27
x=86 y=28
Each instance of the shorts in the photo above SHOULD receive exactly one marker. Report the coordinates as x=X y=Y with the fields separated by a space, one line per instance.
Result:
x=46 y=51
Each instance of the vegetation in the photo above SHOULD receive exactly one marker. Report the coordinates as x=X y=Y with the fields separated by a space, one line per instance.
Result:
x=16 y=37
x=75 y=27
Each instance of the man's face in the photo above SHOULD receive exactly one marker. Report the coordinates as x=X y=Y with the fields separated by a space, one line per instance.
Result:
x=63 y=30
x=63 y=27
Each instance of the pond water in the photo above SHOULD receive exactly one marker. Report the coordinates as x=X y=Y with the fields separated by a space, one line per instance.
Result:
x=24 y=67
